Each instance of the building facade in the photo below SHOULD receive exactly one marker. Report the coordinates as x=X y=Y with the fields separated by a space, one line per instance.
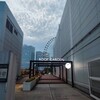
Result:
x=39 y=55
x=46 y=55
x=28 y=53
x=11 y=39
x=78 y=40
x=42 y=56
x=11 y=35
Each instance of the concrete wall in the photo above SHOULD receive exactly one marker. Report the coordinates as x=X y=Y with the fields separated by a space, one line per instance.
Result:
x=80 y=29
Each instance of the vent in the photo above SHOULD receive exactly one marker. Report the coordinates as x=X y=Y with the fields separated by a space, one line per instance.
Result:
x=94 y=77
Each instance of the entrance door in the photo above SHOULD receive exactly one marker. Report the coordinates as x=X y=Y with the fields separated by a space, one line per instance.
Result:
x=94 y=78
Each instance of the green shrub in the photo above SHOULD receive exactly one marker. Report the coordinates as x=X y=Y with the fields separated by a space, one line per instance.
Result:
x=30 y=79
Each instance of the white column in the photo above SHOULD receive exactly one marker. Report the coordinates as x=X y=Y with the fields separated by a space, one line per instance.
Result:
x=10 y=90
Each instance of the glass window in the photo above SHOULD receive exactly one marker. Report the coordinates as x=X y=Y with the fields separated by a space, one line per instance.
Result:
x=15 y=31
x=9 y=26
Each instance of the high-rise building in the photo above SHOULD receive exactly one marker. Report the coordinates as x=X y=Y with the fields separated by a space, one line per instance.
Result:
x=11 y=35
x=28 y=53
x=39 y=55
x=78 y=40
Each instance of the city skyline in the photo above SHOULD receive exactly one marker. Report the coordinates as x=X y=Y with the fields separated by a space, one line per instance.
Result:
x=76 y=50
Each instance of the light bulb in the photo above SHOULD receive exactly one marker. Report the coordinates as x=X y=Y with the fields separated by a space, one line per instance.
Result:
x=68 y=65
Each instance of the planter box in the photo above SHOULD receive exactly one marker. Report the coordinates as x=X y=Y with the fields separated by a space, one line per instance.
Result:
x=27 y=86
x=37 y=79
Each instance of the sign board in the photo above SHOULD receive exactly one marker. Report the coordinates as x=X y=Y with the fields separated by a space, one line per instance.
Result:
x=51 y=59
x=3 y=72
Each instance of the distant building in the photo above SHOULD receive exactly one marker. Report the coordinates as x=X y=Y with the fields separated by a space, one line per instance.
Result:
x=39 y=54
x=78 y=40
x=46 y=55
x=11 y=35
x=28 y=53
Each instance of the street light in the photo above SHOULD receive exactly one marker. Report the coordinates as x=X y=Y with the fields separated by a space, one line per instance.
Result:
x=68 y=65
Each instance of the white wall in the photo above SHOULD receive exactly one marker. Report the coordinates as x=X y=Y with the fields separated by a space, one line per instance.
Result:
x=7 y=89
x=79 y=18
x=10 y=89
x=4 y=59
x=10 y=41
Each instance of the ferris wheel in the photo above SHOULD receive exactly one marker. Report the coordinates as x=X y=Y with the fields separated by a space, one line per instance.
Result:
x=48 y=44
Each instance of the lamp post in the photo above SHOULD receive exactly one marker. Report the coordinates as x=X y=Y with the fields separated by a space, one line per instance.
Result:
x=69 y=65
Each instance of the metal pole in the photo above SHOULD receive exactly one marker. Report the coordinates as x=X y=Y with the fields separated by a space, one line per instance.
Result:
x=62 y=72
x=33 y=69
x=72 y=74
x=30 y=69
x=52 y=69
x=66 y=75
x=37 y=68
